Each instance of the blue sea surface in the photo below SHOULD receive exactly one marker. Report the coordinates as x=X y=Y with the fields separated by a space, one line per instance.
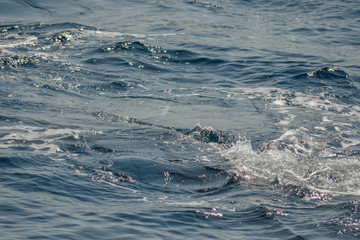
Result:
x=159 y=119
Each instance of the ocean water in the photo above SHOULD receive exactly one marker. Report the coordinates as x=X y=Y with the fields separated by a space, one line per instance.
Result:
x=159 y=119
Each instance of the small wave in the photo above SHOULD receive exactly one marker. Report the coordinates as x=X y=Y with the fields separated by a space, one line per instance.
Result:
x=205 y=4
x=157 y=58
x=62 y=36
x=26 y=44
x=18 y=61
x=329 y=73
x=324 y=77
x=205 y=134
x=131 y=46
x=209 y=134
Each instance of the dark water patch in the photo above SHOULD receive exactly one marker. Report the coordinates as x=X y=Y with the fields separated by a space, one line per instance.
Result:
x=8 y=119
x=120 y=85
x=130 y=164
x=18 y=106
x=189 y=57
x=50 y=185
x=307 y=31
x=7 y=162
x=256 y=214
x=209 y=181
x=144 y=97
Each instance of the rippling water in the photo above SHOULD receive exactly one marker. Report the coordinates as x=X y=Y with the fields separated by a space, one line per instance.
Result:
x=179 y=119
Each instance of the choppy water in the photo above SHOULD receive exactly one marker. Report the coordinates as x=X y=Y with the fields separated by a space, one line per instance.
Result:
x=179 y=119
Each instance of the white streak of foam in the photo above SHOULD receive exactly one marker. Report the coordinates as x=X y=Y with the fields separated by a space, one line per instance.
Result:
x=16 y=41
x=39 y=139
x=287 y=119
x=117 y=185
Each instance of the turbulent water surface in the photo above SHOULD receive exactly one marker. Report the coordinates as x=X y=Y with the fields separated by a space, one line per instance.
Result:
x=162 y=119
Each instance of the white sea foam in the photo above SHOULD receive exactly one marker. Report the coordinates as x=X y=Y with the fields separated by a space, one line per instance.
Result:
x=36 y=138
x=311 y=155
x=296 y=164
x=13 y=40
